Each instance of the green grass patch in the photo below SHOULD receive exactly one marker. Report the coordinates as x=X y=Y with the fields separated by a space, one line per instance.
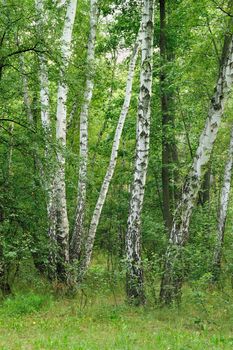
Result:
x=23 y=304
x=98 y=318
x=108 y=323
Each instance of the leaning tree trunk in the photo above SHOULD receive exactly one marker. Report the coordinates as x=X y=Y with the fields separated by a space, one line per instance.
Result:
x=75 y=246
x=173 y=270
x=62 y=228
x=222 y=215
x=134 y=277
x=111 y=167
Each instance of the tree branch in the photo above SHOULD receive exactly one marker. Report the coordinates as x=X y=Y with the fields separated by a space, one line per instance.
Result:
x=18 y=123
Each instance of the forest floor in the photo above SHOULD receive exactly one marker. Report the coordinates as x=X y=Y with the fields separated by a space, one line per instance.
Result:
x=99 y=319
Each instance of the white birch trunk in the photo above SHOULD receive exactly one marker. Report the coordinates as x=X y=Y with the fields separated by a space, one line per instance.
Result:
x=75 y=247
x=111 y=167
x=134 y=278
x=172 y=280
x=44 y=86
x=223 y=206
x=62 y=233
x=44 y=80
x=49 y=173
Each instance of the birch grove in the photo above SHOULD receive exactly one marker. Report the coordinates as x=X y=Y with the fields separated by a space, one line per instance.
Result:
x=134 y=278
x=112 y=148
x=76 y=241
x=111 y=167
x=173 y=275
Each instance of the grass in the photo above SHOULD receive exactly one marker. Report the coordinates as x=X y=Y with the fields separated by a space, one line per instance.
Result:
x=99 y=319
x=38 y=322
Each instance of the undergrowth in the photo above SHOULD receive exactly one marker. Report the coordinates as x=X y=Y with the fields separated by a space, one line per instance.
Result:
x=98 y=317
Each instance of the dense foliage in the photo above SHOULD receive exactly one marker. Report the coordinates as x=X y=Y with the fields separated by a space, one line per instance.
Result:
x=185 y=74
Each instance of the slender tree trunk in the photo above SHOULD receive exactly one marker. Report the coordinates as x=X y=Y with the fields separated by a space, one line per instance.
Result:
x=44 y=80
x=222 y=215
x=49 y=173
x=76 y=241
x=169 y=150
x=134 y=277
x=111 y=167
x=62 y=228
x=173 y=269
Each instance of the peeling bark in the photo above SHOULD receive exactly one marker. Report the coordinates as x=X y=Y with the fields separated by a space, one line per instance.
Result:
x=111 y=167
x=173 y=271
x=134 y=277
x=76 y=241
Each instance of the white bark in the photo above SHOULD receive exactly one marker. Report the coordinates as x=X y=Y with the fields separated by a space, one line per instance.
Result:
x=62 y=219
x=83 y=153
x=44 y=98
x=44 y=94
x=111 y=167
x=171 y=285
x=44 y=80
x=179 y=232
x=223 y=206
x=133 y=257
x=49 y=173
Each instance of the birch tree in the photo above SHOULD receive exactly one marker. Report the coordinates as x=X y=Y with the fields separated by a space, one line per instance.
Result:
x=75 y=247
x=49 y=171
x=111 y=167
x=223 y=206
x=173 y=274
x=43 y=73
x=134 y=278
x=62 y=228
